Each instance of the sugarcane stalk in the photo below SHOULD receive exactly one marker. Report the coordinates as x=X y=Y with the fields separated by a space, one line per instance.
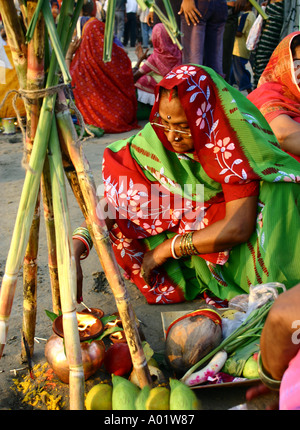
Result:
x=35 y=80
x=97 y=227
x=65 y=37
x=30 y=284
x=30 y=188
x=50 y=234
x=64 y=252
x=15 y=39
x=66 y=273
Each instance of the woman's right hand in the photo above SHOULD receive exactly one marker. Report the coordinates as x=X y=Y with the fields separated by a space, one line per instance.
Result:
x=140 y=53
x=154 y=259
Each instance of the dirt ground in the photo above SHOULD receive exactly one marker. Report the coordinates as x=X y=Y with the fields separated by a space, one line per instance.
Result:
x=97 y=293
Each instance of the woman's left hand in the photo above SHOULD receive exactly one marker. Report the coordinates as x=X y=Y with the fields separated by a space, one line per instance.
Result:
x=154 y=259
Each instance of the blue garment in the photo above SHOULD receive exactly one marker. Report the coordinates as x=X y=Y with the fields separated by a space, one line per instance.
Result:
x=203 y=43
x=240 y=74
x=119 y=24
x=146 y=34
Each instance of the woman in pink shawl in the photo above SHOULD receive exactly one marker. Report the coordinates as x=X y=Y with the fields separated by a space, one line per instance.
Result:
x=165 y=56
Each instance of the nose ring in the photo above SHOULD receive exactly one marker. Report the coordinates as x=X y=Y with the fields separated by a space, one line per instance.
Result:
x=176 y=139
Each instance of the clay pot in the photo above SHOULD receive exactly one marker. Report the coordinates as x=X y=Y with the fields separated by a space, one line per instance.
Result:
x=92 y=357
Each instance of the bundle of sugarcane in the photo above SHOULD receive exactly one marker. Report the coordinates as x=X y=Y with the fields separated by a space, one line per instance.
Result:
x=42 y=136
x=32 y=184
x=36 y=164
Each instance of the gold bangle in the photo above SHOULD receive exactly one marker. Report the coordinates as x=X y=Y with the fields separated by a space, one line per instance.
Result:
x=181 y=249
x=186 y=245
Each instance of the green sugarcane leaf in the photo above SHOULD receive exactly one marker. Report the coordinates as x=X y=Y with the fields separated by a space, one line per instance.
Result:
x=109 y=31
x=173 y=31
x=145 y=3
x=170 y=14
x=32 y=24
x=259 y=9
x=55 y=41
x=72 y=24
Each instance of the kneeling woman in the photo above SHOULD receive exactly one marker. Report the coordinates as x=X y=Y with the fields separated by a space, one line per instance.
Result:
x=202 y=199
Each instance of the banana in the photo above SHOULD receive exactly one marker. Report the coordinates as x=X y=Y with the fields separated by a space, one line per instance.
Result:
x=99 y=398
x=124 y=394
x=140 y=403
x=158 y=399
x=182 y=397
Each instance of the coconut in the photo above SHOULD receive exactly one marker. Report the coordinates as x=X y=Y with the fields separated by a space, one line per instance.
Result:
x=191 y=337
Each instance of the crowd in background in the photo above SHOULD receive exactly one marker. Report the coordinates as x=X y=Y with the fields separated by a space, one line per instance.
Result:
x=211 y=33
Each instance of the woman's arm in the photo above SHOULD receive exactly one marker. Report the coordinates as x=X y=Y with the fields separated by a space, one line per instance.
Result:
x=287 y=132
x=74 y=45
x=235 y=228
x=279 y=341
x=79 y=247
x=141 y=55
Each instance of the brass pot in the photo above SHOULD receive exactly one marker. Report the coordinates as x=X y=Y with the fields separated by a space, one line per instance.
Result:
x=92 y=357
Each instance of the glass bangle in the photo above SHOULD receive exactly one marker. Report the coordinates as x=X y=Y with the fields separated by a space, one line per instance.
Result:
x=173 y=247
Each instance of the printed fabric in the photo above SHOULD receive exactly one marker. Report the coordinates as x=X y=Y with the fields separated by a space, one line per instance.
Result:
x=278 y=92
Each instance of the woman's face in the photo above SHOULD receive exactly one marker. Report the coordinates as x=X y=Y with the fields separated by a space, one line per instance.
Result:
x=173 y=118
x=296 y=61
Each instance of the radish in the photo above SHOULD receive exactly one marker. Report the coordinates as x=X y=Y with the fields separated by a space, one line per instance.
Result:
x=213 y=367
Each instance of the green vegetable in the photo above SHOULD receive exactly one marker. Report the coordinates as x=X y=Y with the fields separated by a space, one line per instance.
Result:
x=235 y=363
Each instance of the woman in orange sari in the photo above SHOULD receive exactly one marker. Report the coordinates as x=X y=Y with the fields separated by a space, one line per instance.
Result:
x=278 y=94
x=104 y=93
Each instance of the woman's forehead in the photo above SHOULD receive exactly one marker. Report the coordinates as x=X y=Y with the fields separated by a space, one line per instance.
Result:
x=171 y=107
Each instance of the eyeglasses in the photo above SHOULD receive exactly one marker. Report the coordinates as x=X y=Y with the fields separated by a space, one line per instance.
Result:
x=167 y=129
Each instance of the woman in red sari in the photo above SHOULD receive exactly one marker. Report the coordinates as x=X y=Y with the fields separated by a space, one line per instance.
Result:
x=201 y=199
x=104 y=93
x=278 y=94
